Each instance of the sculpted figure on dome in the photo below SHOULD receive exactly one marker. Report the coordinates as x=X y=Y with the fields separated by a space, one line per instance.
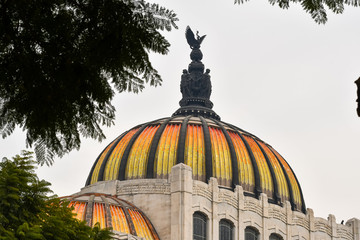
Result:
x=185 y=84
x=195 y=84
x=207 y=84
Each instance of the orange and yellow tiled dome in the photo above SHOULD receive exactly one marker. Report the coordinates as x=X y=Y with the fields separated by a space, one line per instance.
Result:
x=195 y=136
x=112 y=212
x=211 y=147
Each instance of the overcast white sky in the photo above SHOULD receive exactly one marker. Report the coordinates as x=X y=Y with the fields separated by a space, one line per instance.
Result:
x=275 y=73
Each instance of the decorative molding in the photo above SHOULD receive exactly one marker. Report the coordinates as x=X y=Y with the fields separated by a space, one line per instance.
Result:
x=303 y=222
x=228 y=197
x=142 y=186
x=343 y=233
x=321 y=225
x=201 y=191
x=253 y=205
x=277 y=213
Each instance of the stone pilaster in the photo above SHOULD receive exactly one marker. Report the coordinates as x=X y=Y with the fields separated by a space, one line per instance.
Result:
x=289 y=216
x=265 y=215
x=181 y=202
x=310 y=214
x=332 y=222
x=215 y=215
x=241 y=201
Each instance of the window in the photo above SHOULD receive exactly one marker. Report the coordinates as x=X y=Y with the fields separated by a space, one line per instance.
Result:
x=251 y=234
x=226 y=229
x=274 y=236
x=199 y=226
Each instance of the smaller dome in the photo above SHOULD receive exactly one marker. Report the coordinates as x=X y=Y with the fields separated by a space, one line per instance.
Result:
x=112 y=212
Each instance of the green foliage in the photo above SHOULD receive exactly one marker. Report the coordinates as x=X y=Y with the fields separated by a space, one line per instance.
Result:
x=26 y=212
x=61 y=61
x=316 y=8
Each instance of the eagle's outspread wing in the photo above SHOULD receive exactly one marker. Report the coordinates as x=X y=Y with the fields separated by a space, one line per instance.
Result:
x=190 y=37
x=201 y=39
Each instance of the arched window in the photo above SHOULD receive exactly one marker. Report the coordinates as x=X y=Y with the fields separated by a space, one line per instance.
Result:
x=275 y=236
x=226 y=230
x=251 y=233
x=199 y=226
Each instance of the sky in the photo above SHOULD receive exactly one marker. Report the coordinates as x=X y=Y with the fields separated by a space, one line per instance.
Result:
x=276 y=74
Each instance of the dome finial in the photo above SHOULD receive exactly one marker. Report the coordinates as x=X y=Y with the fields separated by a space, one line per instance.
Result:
x=195 y=84
x=190 y=37
x=196 y=54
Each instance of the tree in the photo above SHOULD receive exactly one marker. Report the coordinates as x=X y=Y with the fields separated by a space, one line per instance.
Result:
x=316 y=8
x=62 y=60
x=26 y=212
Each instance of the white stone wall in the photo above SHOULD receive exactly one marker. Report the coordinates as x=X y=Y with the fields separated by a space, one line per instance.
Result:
x=170 y=204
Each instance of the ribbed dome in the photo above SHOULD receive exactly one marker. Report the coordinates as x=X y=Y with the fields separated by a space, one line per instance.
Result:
x=210 y=147
x=112 y=212
x=195 y=136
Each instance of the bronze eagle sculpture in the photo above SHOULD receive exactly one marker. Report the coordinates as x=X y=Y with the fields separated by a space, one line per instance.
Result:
x=192 y=41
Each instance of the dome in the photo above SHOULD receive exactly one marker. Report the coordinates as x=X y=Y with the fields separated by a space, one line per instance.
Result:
x=196 y=136
x=210 y=147
x=112 y=212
